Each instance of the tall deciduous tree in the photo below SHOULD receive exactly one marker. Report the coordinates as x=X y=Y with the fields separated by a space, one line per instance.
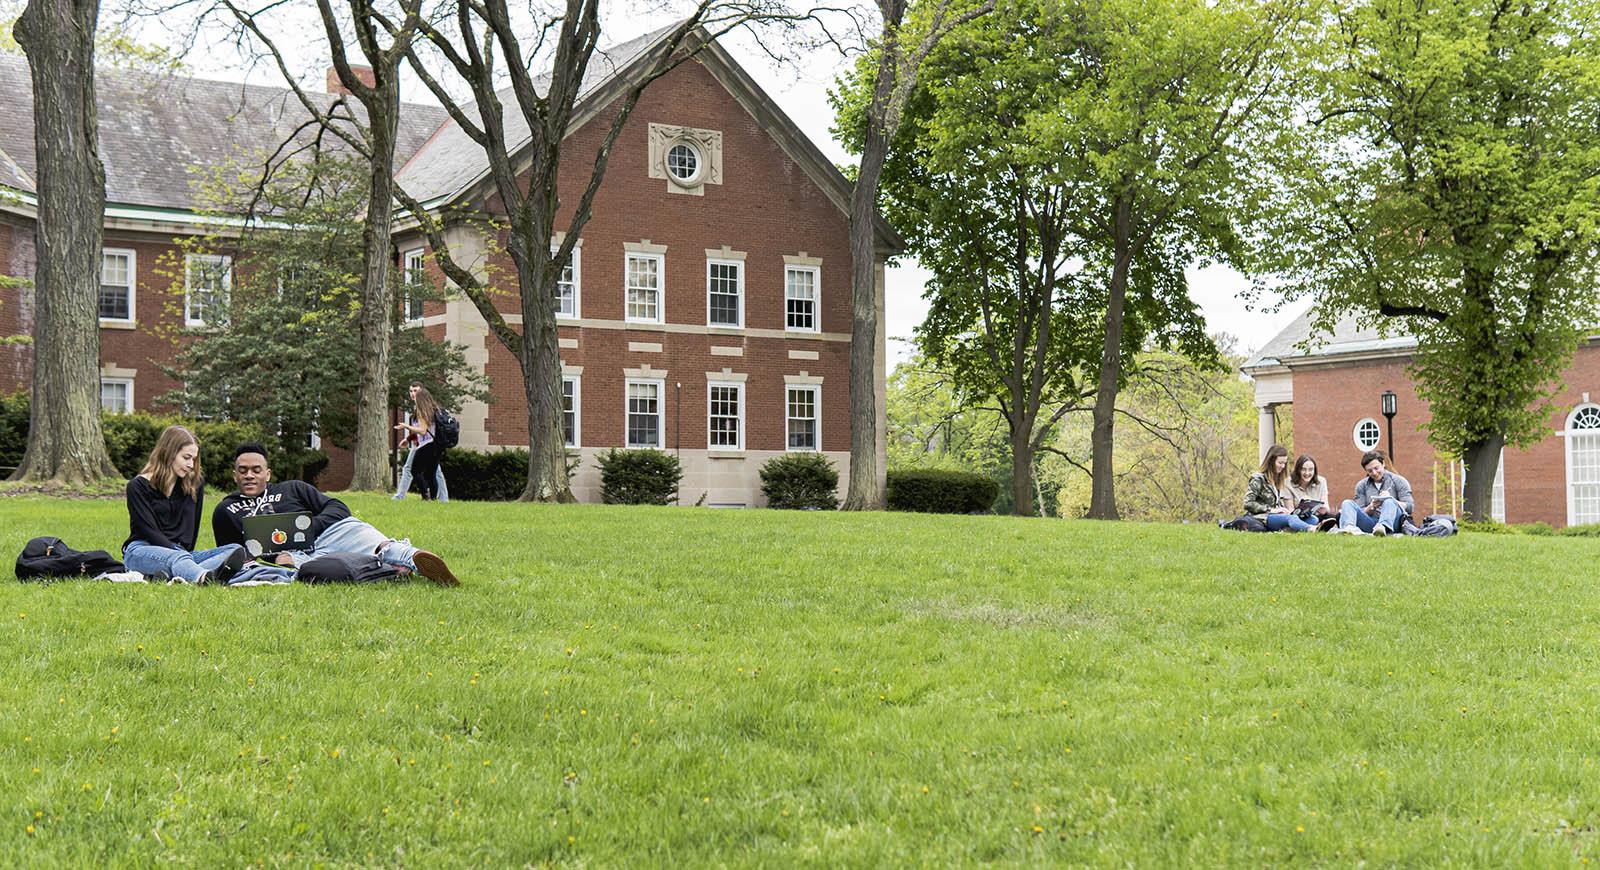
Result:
x=65 y=442
x=384 y=45
x=1451 y=190
x=489 y=48
x=1171 y=95
x=898 y=53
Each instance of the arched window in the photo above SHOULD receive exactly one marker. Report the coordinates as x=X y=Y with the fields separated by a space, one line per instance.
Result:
x=1366 y=434
x=1583 y=465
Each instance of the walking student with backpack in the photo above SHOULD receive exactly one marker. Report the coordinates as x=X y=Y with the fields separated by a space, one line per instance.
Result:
x=409 y=441
x=434 y=430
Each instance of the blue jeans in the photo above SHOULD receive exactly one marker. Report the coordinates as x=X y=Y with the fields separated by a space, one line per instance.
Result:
x=1389 y=514
x=153 y=561
x=351 y=535
x=1279 y=522
x=405 y=479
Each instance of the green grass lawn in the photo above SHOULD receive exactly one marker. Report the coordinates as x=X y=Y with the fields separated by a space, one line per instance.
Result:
x=665 y=686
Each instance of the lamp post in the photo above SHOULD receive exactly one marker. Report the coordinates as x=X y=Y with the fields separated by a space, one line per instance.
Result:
x=1388 y=404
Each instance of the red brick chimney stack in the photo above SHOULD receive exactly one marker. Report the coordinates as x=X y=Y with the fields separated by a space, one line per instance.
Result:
x=364 y=73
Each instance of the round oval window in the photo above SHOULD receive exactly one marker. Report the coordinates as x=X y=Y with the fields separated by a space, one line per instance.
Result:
x=683 y=162
x=1367 y=434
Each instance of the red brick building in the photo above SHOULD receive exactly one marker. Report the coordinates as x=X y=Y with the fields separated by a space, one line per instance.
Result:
x=707 y=310
x=1330 y=387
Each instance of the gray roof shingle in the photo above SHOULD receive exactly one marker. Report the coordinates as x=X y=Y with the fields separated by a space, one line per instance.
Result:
x=1299 y=340
x=156 y=130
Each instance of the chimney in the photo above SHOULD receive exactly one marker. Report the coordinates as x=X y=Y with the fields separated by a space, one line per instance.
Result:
x=364 y=73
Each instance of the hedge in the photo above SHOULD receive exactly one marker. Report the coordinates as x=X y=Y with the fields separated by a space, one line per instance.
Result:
x=941 y=492
x=800 y=481
x=474 y=476
x=639 y=477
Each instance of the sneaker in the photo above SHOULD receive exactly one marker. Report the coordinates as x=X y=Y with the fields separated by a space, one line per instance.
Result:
x=1380 y=530
x=434 y=568
x=398 y=497
x=236 y=560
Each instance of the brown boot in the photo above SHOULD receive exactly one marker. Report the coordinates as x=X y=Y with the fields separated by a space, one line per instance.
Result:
x=434 y=568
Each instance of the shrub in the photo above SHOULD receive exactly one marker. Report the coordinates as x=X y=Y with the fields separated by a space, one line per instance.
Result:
x=941 y=492
x=13 y=428
x=638 y=477
x=800 y=481
x=131 y=437
x=472 y=475
x=1486 y=527
x=1588 y=530
x=1539 y=529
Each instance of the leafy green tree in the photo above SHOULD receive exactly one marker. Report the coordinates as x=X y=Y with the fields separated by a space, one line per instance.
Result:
x=1449 y=188
x=284 y=355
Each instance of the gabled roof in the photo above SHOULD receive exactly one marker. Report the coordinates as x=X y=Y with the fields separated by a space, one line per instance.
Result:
x=451 y=168
x=1299 y=342
x=154 y=128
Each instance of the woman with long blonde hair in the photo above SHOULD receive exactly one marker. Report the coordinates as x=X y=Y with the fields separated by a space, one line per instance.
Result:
x=1267 y=496
x=164 y=506
x=425 y=461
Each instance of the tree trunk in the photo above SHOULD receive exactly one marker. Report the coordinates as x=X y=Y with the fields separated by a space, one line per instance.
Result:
x=377 y=301
x=1103 y=495
x=65 y=440
x=865 y=492
x=540 y=360
x=1022 y=471
x=1482 y=460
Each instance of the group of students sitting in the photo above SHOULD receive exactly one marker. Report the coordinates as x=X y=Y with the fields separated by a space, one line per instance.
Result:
x=1297 y=499
x=167 y=497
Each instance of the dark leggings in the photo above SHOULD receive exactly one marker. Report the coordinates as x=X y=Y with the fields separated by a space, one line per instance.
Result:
x=423 y=467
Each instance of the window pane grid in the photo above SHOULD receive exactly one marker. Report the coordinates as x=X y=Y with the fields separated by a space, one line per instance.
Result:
x=682 y=161
x=644 y=288
x=414 y=276
x=208 y=284
x=800 y=299
x=115 y=287
x=114 y=397
x=644 y=419
x=722 y=283
x=569 y=412
x=723 y=423
x=567 y=291
x=802 y=419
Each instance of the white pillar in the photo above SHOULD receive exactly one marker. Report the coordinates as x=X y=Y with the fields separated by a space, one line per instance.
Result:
x=1267 y=429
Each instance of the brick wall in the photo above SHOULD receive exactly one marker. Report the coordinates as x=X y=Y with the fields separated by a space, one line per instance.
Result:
x=16 y=305
x=1330 y=400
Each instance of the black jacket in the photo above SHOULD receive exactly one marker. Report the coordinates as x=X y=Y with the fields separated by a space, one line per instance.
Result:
x=171 y=521
x=227 y=521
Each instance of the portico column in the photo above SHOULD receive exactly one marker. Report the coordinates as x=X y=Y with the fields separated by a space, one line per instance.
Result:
x=1267 y=429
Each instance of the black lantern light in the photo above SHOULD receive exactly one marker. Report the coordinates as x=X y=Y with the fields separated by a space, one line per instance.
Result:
x=1389 y=402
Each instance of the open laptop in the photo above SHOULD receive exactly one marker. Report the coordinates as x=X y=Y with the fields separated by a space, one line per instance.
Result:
x=272 y=533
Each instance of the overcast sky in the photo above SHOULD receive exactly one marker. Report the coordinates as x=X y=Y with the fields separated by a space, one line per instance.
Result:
x=800 y=89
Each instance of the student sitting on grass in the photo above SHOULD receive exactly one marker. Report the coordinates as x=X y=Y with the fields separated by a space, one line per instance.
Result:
x=333 y=530
x=1267 y=496
x=1382 y=502
x=1306 y=485
x=164 y=502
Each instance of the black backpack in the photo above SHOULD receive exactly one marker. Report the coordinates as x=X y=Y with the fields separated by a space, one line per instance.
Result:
x=1435 y=526
x=446 y=430
x=346 y=568
x=1245 y=523
x=50 y=557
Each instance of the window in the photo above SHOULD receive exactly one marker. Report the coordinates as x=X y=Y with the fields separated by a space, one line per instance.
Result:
x=567 y=285
x=646 y=416
x=802 y=428
x=116 y=395
x=569 y=411
x=414 y=275
x=724 y=293
x=1583 y=465
x=116 y=285
x=207 y=278
x=644 y=287
x=800 y=298
x=683 y=162
x=1497 y=502
x=1367 y=434
x=725 y=416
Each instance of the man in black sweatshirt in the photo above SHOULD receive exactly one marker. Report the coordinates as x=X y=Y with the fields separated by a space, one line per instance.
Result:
x=333 y=530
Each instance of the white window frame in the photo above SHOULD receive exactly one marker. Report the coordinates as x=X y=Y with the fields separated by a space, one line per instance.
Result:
x=739 y=291
x=577 y=409
x=126 y=382
x=692 y=178
x=816 y=298
x=1497 y=493
x=1355 y=434
x=188 y=287
x=1569 y=435
x=816 y=409
x=577 y=284
x=413 y=266
x=661 y=413
x=133 y=282
x=661 y=287
x=739 y=432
